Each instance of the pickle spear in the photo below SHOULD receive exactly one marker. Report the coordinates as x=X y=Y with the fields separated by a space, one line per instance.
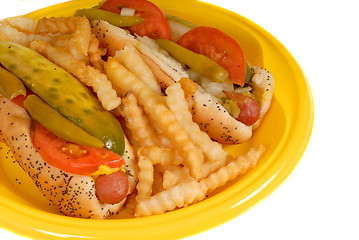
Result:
x=198 y=62
x=10 y=85
x=53 y=121
x=63 y=92
x=110 y=17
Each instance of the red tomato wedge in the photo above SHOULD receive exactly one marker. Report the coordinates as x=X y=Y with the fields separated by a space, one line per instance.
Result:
x=219 y=47
x=19 y=100
x=155 y=24
x=250 y=111
x=70 y=157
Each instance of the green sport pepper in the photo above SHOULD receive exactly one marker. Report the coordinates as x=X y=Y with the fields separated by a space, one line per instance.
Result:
x=10 y=85
x=198 y=62
x=57 y=124
x=63 y=92
x=110 y=17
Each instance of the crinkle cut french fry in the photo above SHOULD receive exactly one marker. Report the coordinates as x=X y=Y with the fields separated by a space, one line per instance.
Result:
x=189 y=87
x=9 y=33
x=86 y=74
x=177 y=103
x=235 y=168
x=181 y=195
x=172 y=177
x=132 y=60
x=95 y=54
x=57 y=25
x=22 y=24
x=78 y=27
x=145 y=178
x=161 y=155
x=157 y=111
x=137 y=122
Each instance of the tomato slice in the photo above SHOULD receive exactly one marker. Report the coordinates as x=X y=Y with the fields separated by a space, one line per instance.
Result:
x=70 y=157
x=219 y=47
x=155 y=24
x=19 y=100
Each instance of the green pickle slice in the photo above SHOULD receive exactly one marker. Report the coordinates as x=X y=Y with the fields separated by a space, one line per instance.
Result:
x=63 y=92
x=53 y=121
x=10 y=85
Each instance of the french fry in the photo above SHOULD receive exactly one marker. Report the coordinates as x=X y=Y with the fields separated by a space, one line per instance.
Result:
x=95 y=54
x=177 y=103
x=9 y=33
x=172 y=177
x=235 y=168
x=78 y=32
x=145 y=178
x=86 y=74
x=56 y=25
x=132 y=60
x=181 y=195
x=189 y=87
x=161 y=155
x=125 y=81
x=137 y=122
x=22 y=24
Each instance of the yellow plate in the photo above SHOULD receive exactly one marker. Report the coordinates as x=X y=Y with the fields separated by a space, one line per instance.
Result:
x=285 y=132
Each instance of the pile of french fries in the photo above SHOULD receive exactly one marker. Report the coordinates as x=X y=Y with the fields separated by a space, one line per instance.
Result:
x=178 y=164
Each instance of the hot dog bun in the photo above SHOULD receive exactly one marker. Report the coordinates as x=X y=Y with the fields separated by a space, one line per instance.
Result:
x=73 y=195
x=213 y=119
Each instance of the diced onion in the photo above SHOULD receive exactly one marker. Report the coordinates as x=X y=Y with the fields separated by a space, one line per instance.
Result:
x=127 y=11
x=243 y=89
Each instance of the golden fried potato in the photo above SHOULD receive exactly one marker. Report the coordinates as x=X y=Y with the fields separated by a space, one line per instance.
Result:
x=181 y=195
x=57 y=25
x=177 y=103
x=235 y=168
x=158 y=112
x=95 y=54
x=132 y=60
x=22 y=24
x=145 y=178
x=137 y=122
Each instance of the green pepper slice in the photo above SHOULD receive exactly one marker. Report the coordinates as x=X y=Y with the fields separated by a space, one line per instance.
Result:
x=10 y=85
x=58 y=124
x=110 y=17
x=198 y=62
x=249 y=73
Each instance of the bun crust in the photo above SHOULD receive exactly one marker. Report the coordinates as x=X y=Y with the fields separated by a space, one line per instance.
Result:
x=74 y=195
x=213 y=119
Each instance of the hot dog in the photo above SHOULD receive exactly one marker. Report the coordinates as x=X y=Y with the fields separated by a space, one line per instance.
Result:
x=81 y=181
x=207 y=109
x=74 y=195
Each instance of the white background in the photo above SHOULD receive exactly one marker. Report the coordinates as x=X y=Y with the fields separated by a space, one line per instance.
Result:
x=319 y=199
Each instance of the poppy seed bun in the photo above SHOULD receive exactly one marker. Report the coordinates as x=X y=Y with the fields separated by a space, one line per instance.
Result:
x=73 y=195
x=262 y=83
x=213 y=119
